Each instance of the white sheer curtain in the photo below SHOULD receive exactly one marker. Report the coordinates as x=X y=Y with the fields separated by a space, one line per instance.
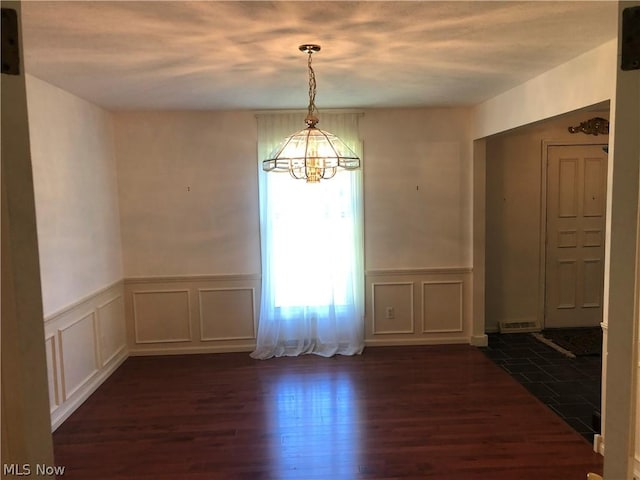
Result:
x=312 y=297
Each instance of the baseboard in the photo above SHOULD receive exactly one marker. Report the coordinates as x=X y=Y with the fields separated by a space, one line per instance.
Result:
x=78 y=398
x=251 y=347
x=598 y=444
x=141 y=352
x=479 y=340
x=390 y=342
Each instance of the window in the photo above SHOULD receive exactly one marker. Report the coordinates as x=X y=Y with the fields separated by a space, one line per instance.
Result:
x=312 y=266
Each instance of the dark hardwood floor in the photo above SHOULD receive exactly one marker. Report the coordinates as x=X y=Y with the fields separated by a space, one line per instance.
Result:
x=440 y=412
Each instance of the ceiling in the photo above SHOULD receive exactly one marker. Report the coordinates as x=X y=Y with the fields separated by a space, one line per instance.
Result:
x=244 y=55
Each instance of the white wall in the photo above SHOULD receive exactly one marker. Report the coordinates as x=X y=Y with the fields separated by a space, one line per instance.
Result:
x=188 y=193
x=188 y=190
x=190 y=226
x=76 y=195
x=417 y=188
x=514 y=218
x=78 y=223
x=418 y=197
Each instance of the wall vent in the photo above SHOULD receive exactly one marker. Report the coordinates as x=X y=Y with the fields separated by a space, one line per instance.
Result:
x=518 y=327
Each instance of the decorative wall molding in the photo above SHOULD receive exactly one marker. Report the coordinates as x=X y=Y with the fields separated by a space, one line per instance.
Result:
x=442 y=295
x=593 y=126
x=378 y=316
x=115 y=306
x=81 y=301
x=161 y=312
x=418 y=271
x=455 y=313
x=218 y=311
x=224 y=310
x=78 y=356
x=249 y=277
x=77 y=364
x=250 y=324
x=52 y=372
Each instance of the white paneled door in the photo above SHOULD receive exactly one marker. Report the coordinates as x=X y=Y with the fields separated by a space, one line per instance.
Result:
x=576 y=203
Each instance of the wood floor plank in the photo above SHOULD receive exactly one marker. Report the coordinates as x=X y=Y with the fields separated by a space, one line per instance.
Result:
x=440 y=412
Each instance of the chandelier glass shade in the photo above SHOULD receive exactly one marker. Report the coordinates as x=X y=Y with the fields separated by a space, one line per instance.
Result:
x=311 y=154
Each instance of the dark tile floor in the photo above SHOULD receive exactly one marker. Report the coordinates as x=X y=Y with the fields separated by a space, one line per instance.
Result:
x=570 y=387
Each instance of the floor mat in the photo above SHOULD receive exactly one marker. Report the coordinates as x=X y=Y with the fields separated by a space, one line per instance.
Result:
x=578 y=341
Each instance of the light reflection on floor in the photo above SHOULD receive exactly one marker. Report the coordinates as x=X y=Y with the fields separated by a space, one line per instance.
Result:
x=316 y=417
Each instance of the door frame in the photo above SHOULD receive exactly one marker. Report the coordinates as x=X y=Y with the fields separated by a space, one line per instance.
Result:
x=542 y=270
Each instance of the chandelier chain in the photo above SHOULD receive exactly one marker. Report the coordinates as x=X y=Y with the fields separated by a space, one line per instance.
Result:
x=312 y=88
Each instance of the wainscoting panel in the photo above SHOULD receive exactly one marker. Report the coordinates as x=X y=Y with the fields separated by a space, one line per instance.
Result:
x=85 y=343
x=418 y=306
x=442 y=306
x=162 y=316
x=52 y=372
x=392 y=304
x=78 y=353
x=112 y=328
x=191 y=314
x=227 y=314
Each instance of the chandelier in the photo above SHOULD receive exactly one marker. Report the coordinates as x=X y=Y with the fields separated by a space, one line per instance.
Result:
x=311 y=154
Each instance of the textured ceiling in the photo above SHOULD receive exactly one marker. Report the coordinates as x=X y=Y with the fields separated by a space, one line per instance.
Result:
x=236 y=55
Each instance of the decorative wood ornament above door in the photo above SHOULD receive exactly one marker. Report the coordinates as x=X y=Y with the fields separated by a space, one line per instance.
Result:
x=593 y=126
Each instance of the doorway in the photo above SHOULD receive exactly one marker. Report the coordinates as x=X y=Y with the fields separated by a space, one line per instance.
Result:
x=516 y=217
x=576 y=183
x=517 y=199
